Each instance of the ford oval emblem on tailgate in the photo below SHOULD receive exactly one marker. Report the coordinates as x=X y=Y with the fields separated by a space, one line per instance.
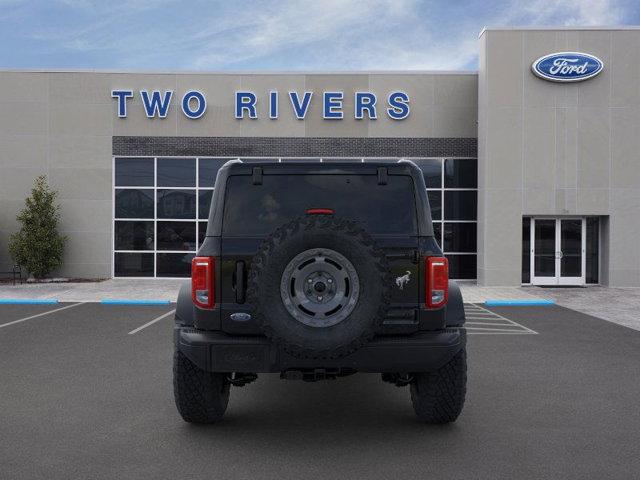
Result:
x=240 y=317
x=567 y=66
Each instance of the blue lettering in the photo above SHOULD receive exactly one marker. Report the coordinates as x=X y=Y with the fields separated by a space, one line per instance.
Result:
x=332 y=105
x=398 y=105
x=122 y=96
x=200 y=100
x=300 y=109
x=273 y=105
x=365 y=101
x=246 y=101
x=156 y=105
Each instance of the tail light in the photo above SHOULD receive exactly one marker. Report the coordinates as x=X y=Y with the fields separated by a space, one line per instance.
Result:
x=320 y=211
x=437 y=281
x=203 y=282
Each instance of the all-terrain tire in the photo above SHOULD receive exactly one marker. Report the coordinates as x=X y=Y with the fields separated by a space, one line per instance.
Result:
x=317 y=232
x=438 y=397
x=201 y=397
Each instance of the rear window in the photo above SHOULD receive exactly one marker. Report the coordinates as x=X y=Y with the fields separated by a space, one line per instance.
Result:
x=259 y=209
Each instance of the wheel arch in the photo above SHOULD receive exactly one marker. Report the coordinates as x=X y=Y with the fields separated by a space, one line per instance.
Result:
x=184 y=308
x=455 y=306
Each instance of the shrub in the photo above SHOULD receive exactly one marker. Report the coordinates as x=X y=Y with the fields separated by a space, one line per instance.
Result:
x=37 y=246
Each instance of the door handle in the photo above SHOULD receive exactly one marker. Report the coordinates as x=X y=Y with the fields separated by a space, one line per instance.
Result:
x=240 y=282
x=559 y=255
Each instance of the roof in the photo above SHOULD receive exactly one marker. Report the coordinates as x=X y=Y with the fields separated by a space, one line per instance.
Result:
x=561 y=28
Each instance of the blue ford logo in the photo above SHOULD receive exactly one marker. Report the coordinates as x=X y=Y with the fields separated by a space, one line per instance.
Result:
x=567 y=66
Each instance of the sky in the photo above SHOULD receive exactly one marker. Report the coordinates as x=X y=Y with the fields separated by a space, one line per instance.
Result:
x=277 y=35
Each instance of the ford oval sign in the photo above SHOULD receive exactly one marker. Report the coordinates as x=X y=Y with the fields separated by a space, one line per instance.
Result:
x=567 y=66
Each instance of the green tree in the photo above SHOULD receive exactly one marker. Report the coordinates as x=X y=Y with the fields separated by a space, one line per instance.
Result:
x=38 y=246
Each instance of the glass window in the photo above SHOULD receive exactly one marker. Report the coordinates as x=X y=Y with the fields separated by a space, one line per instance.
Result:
x=134 y=203
x=202 y=232
x=174 y=264
x=204 y=203
x=435 y=203
x=133 y=235
x=431 y=171
x=437 y=232
x=134 y=172
x=177 y=204
x=175 y=220
x=460 y=205
x=462 y=267
x=133 y=264
x=259 y=209
x=176 y=235
x=593 y=241
x=460 y=173
x=460 y=237
x=176 y=172
x=526 y=250
x=208 y=170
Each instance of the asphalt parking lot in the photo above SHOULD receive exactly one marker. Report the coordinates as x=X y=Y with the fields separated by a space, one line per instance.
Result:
x=86 y=394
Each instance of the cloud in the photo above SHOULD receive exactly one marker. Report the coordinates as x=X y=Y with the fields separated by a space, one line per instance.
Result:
x=286 y=34
x=569 y=12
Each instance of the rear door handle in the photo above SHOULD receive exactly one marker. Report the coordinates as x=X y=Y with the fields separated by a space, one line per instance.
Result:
x=240 y=281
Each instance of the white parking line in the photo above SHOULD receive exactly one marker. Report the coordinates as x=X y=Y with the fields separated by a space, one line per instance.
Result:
x=486 y=321
x=164 y=315
x=39 y=315
x=491 y=332
x=489 y=324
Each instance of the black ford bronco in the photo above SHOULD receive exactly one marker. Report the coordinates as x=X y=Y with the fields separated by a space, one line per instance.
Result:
x=317 y=271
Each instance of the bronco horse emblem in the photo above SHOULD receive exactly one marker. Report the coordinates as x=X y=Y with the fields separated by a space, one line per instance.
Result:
x=403 y=280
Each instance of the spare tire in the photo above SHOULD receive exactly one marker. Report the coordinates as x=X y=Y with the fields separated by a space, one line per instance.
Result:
x=319 y=286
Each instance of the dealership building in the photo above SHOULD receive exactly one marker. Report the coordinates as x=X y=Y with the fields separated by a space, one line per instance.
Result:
x=532 y=163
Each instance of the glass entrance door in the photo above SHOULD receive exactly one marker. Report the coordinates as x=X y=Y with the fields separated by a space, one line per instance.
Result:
x=558 y=251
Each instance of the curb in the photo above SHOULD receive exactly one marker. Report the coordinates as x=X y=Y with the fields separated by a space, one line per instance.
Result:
x=28 y=301
x=115 y=301
x=518 y=303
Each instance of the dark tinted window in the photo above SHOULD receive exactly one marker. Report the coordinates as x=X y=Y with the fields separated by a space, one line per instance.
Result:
x=208 y=170
x=460 y=205
x=460 y=173
x=202 y=232
x=176 y=172
x=593 y=239
x=431 y=171
x=176 y=235
x=134 y=203
x=437 y=232
x=177 y=204
x=134 y=172
x=462 y=267
x=460 y=237
x=435 y=203
x=526 y=250
x=259 y=209
x=204 y=203
x=133 y=264
x=133 y=236
x=174 y=264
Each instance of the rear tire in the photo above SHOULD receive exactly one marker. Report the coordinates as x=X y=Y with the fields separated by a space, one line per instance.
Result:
x=201 y=397
x=438 y=397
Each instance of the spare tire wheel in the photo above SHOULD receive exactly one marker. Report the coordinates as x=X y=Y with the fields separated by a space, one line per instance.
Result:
x=318 y=287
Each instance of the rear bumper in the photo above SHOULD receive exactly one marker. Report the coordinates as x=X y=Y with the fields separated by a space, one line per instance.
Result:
x=219 y=352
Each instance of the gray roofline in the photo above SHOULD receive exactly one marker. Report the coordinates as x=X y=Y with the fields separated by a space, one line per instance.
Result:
x=562 y=27
x=239 y=72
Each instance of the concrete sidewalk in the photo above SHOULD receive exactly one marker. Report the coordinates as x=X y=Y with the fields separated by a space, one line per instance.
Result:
x=120 y=288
